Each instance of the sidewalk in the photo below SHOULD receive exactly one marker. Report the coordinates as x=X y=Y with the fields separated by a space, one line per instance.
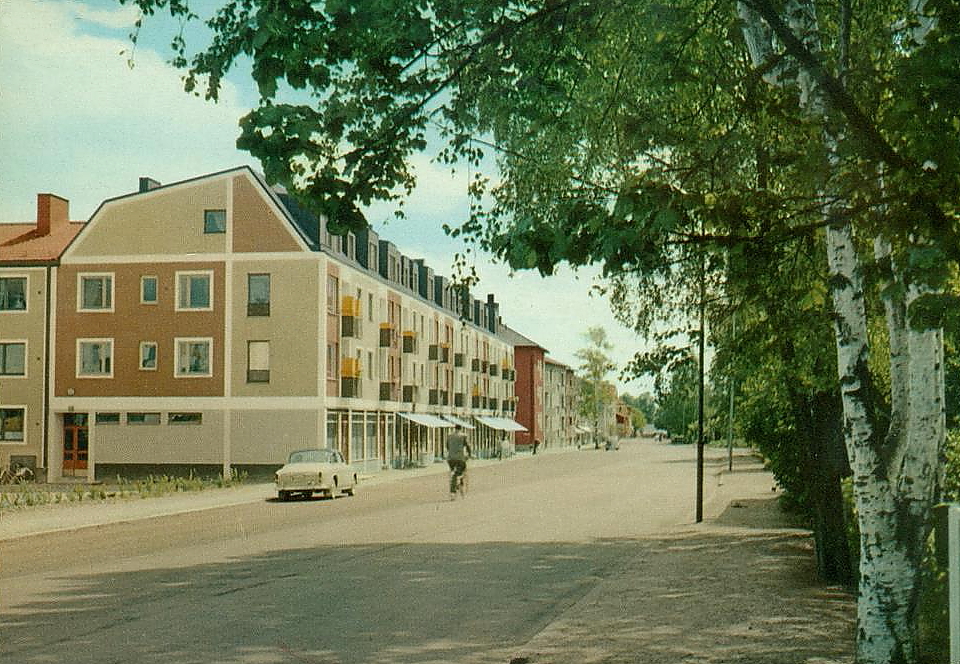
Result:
x=24 y=522
x=740 y=587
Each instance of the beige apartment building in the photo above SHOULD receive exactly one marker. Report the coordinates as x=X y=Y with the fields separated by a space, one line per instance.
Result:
x=559 y=404
x=214 y=324
x=29 y=254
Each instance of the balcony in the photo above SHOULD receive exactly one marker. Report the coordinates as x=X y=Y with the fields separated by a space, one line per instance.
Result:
x=350 y=387
x=459 y=398
x=434 y=398
x=410 y=344
x=350 y=316
x=494 y=369
x=458 y=359
x=389 y=392
x=349 y=367
x=409 y=393
x=388 y=335
x=445 y=353
x=475 y=401
x=433 y=352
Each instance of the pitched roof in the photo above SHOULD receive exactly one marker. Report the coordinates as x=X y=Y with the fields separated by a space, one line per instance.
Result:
x=514 y=338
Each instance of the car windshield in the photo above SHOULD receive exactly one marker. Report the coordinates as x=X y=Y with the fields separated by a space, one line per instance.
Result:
x=312 y=456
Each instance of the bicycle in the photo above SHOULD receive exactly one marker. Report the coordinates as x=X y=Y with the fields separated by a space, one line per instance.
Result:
x=458 y=481
x=16 y=474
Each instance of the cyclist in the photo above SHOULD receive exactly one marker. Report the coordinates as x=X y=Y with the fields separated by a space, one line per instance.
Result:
x=458 y=451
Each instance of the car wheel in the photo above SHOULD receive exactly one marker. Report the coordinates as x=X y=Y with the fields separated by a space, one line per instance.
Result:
x=334 y=489
x=352 y=491
x=284 y=496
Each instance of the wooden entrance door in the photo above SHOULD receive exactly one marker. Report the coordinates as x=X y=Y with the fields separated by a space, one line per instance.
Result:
x=76 y=443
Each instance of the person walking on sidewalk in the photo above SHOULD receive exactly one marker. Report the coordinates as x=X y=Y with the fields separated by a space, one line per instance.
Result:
x=458 y=451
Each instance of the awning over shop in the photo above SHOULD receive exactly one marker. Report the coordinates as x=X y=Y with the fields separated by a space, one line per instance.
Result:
x=431 y=421
x=500 y=423
x=453 y=419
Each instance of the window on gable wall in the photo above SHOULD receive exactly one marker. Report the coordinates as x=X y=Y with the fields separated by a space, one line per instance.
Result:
x=258 y=294
x=95 y=357
x=258 y=362
x=13 y=358
x=148 y=356
x=148 y=290
x=96 y=292
x=214 y=221
x=13 y=293
x=11 y=424
x=194 y=291
x=193 y=357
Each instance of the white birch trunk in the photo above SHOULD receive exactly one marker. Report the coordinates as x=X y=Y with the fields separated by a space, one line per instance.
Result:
x=895 y=476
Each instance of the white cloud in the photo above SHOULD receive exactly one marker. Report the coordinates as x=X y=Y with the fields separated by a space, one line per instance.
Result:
x=75 y=120
x=78 y=121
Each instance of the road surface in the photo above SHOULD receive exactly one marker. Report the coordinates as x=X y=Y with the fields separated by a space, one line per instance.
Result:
x=396 y=574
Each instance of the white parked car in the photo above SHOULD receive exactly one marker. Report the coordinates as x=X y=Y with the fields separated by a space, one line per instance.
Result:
x=315 y=471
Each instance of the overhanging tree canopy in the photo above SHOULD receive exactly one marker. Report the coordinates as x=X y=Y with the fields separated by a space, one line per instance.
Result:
x=651 y=137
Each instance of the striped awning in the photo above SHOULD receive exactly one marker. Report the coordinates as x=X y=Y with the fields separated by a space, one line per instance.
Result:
x=499 y=423
x=453 y=419
x=431 y=421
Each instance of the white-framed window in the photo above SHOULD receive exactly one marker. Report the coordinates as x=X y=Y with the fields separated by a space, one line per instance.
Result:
x=94 y=358
x=195 y=291
x=214 y=221
x=194 y=357
x=13 y=358
x=148 y=289
x=148 y=356
x=12 y=420
x=13 y=293
x=95 y=291
x=258 y=361
x=108 y=418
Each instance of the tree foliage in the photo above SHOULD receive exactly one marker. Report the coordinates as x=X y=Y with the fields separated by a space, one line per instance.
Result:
x=683 y=143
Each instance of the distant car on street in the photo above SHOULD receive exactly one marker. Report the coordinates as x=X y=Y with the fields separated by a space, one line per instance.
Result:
x=315 y=471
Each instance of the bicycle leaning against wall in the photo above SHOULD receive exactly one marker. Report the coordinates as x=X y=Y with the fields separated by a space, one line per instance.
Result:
x=16 y=473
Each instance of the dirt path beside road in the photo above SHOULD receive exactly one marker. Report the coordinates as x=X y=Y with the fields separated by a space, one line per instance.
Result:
x=740 y=588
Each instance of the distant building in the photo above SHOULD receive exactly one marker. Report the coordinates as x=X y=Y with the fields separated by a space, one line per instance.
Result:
x=529 y=358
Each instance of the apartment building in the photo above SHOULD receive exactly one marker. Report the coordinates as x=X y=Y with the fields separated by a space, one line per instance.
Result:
x=529 y=357
x=214 y=324
x=29 y=254
x=559 y=404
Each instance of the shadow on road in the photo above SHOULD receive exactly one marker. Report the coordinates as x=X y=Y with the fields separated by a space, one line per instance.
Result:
x=702 y=596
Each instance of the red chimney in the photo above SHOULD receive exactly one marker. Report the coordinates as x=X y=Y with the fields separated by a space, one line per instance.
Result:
x=52 y=212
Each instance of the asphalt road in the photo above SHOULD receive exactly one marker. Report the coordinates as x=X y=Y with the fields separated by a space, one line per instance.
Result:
x=396 y=574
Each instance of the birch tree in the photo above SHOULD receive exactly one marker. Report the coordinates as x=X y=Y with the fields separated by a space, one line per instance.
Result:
x=639 y=134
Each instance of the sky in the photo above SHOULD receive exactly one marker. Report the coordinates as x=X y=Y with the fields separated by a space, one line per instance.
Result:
x=77 y=120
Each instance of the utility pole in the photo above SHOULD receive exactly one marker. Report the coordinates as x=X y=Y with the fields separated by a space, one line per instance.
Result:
x=730 y=417
x=703 y=297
